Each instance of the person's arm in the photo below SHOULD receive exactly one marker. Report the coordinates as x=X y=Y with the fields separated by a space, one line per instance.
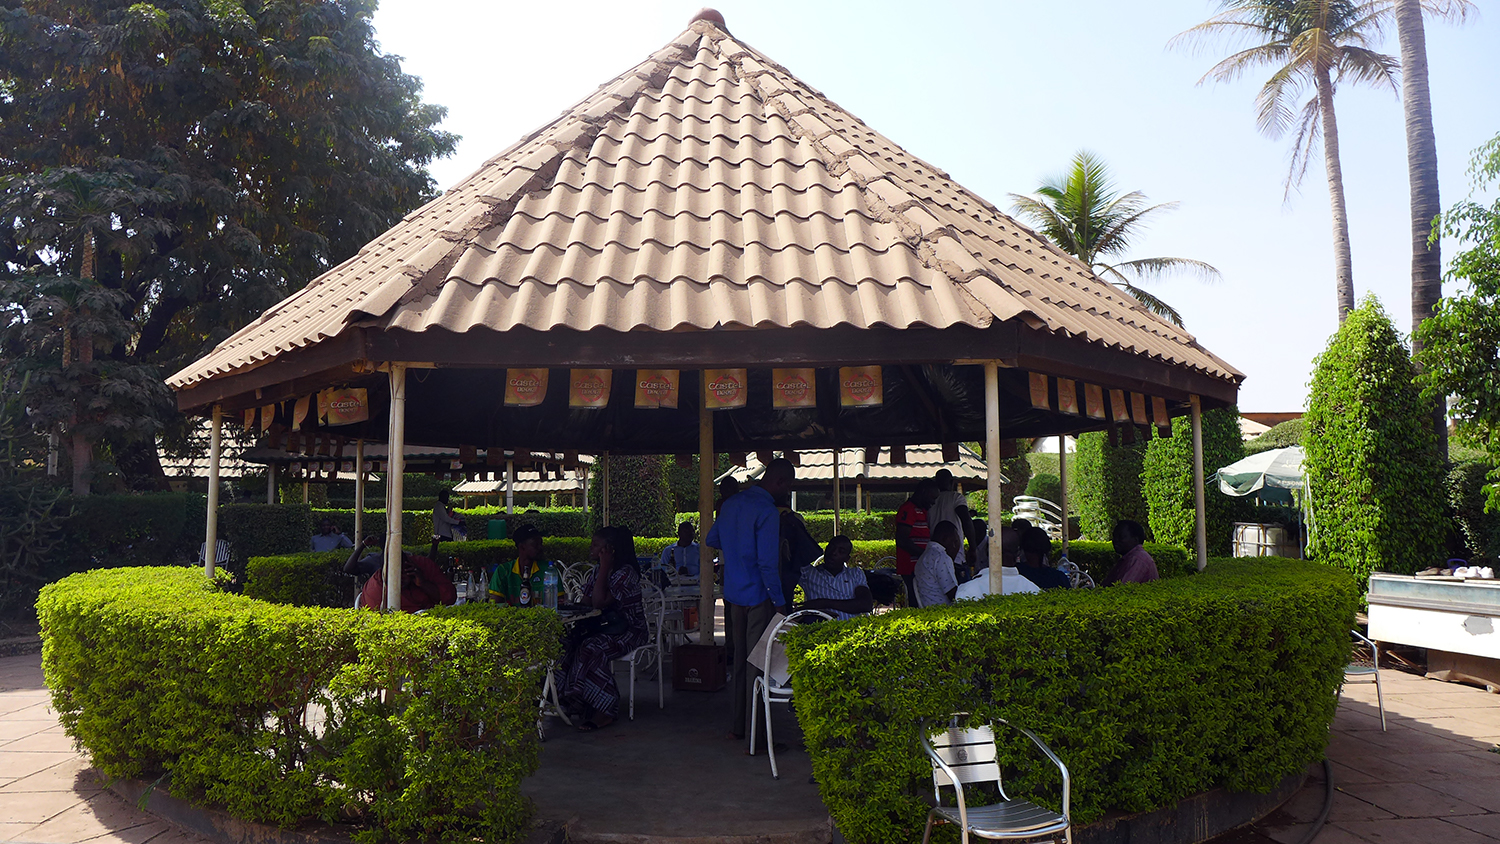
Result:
x=946 y=576
x=345 y=541
x=861 y=603
x=351 y=565
x=903 y=534
x=768 y=554
x=600 y=597
x=432 y=553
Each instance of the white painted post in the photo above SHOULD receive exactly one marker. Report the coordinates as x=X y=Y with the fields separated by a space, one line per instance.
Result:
x=211 y=530
x=604 y=492
x=992 y=467
x=394 y=481
x=1199 y=515
x=359 y=490
x=859 y=497
x=510 y=486
x=1062 y=475
x=837 y=490
x=708 y=463
x=270 y=483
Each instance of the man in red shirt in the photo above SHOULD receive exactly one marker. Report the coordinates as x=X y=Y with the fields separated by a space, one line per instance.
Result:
x=423 y=584
x=912 y=532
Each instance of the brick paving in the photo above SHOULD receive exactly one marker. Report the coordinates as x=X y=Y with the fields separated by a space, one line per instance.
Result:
x=1433 y=777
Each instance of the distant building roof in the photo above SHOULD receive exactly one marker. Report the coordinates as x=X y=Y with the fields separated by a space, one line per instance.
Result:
x=855 y=466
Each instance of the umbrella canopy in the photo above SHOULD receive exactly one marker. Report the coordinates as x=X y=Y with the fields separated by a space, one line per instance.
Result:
x=1277 y=469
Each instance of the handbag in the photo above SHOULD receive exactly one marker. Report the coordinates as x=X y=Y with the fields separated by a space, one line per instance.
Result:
x=611 y=622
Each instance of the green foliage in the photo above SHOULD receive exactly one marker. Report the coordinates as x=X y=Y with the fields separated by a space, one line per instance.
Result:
x=255 y=530
x=313 y=579
x=1281 y=435
x=1168 y=475
x=1460 y=343
x=1109 y=485
x=1149 y=693
x=132 y=530
x=1097 y=558
x=1047 y=486
x=639 y=497
x=1466 y=498
x=441 y=758
x=552 y=521
x=1372 y=463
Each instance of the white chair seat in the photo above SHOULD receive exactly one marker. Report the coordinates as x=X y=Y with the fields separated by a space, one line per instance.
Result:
x=1011 y=819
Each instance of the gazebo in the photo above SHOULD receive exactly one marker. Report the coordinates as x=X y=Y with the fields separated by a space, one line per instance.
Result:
x=705 y=255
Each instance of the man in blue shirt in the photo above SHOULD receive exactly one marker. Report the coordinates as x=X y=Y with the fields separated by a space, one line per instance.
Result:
x=748 y=532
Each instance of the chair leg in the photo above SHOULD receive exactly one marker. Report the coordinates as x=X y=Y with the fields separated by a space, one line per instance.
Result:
x=927 y=831
x=632 y=687
x=661 y=688
x=754 y=712
x=770 y=739
x=1380 y=698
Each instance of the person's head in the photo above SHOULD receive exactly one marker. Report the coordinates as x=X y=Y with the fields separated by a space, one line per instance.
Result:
x=1037 y=545
x=778 y=478
x=326 y=527
x=1127 y=534
x=949 y=536
x=728 y=488
x=528 y=541
x=944 y=479
x=685 y=533
x=926 y=494
x=444 y=495
x=1020 y=524
x=1010 y=543
x=615 y=544
x=981 y=528
x=836 y=554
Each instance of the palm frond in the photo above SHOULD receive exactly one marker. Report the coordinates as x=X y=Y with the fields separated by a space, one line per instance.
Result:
x=1155 y=268
x=1153 y=304
x=1368 y=67
x=1116 y=238
x=1309 y=132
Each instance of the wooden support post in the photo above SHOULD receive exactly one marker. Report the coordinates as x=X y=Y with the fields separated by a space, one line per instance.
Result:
x=394 y=483
x=510 y=486
x=859 y=497
x=1062 y=476
x=359 y=490
x=270 y=483
x=604 y=491
x=211 y=530
x=838 y=492
x=1199 y=516
x=707 y=464
x=992 y=469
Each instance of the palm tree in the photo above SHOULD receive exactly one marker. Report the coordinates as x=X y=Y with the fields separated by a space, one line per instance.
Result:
x=1310 y=44
x=1088 y=218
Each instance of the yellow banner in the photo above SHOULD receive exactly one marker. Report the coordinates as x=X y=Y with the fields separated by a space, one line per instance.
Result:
x=727 y=388
x=794 y=388
x=1039 y=391
x=345 y=407
x=656 y=388
x=1119 y=411
x=1067 y=396
x=1138 y=408
x=861 y=386
x=589 y=387
x=525 y=387
x=1093 y=401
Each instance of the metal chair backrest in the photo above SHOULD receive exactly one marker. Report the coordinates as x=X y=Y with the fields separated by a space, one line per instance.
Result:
x=778 y=675
x=968 y=754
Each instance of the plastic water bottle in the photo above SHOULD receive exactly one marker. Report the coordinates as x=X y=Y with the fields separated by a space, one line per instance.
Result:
x=549 y=587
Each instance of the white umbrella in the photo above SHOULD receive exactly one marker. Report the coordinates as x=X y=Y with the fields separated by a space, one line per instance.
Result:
x=1279 y=468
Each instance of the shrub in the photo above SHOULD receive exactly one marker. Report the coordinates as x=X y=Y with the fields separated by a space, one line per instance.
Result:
x=1372 y=464
x=1169 y=481
x=639 y=497
x=153 y=671
x=1097 y=558
x=1109 y=485
x=1045 y=486
x=255 y=530
x=1466 y=497
x=1281 y=435
x=1149 y=693
x=132 y=530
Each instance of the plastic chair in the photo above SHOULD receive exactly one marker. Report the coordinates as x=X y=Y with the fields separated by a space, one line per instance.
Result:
x=655 y=606
x=963 y=757
x=769 y=689
x=1359 y=669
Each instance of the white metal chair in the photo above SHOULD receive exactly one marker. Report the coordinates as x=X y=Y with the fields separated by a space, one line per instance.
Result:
x=966 y=756
x=651 y=597
x=1042 y=513
x=573 y=577
x=1077 y=577
x=1357 y=668
x=771 y=686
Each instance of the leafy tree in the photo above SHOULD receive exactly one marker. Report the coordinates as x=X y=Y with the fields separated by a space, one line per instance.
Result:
x=1108 y=483
x=639 y=496
x=1375 y=479
x=1169 y=485
x=1087 y=217
x=1460 y=343
x=201 y=158
x=1282 y=435
x=1308 y=44
x=32 y=509
x=1046 y=486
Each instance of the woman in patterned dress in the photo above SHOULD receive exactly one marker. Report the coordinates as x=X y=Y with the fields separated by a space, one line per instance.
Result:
x=588 y=687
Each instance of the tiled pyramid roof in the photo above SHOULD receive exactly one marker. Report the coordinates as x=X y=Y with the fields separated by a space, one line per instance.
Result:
x=706 y=187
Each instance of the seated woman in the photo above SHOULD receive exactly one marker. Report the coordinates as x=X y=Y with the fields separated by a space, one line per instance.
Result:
x=588 y=687
x=1037 y=567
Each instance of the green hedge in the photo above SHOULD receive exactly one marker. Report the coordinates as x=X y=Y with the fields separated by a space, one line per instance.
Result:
x=1169 y=482
x=639 y=497
x=154 y=671
x=1109 y=484
x=131 y=530
x=1149 y=693
x=1466 y=498
x=1281 y=435
x=1097 y=558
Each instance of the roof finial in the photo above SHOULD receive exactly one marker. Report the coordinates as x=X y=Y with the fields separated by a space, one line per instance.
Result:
x=710 y=15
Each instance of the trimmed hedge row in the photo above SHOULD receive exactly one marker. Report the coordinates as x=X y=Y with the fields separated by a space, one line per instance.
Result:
x=154 y=671
x=1097 y=558
x=1149 y=693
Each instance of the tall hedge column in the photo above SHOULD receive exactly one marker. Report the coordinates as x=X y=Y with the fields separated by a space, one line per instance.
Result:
x=1199 y=514
x=394 y=477
x=992 y=468
x=707 y=463
x=211 y=531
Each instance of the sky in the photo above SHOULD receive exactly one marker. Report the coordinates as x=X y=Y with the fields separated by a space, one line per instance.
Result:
x=1001 y=95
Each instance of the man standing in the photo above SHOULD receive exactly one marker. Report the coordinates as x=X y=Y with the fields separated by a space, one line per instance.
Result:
x=911 y=534
x=748 y=532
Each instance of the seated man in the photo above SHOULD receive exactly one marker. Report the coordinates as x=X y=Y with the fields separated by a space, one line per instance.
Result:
x=329 y=537
x=423 y=584
x=681 y=558
x=1135 y=566
x=523 y=584
x=835 y=587
x=1037 y=567
x=934 y=579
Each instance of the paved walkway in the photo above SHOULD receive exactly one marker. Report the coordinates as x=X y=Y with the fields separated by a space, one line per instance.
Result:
x=1433 y=777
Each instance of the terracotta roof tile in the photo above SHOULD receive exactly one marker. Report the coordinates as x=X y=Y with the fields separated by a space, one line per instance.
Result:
x=705 y=187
